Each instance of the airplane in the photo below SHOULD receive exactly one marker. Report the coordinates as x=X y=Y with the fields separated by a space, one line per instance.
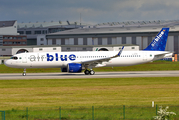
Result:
x=74 y=62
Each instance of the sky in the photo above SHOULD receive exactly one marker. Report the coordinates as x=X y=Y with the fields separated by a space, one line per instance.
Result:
x=92 y=11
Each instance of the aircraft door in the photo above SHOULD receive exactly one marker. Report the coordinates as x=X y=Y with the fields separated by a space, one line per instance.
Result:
x=24 y=58
x=144 y=56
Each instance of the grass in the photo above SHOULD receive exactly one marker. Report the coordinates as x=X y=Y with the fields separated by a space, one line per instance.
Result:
x=88 y=92
x=152 y=66
x=87 y=113
x=108 y=95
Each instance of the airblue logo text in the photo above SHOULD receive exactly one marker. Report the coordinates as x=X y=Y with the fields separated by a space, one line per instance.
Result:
x=157 y=38
x=57 y=57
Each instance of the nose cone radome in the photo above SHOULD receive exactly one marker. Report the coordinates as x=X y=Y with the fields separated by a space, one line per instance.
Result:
x=7 y=63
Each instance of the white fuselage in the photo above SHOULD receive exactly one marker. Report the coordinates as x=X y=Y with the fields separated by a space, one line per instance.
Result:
x=61 y=59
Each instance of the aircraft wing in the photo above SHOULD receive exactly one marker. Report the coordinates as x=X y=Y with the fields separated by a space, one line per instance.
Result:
x=99 y=61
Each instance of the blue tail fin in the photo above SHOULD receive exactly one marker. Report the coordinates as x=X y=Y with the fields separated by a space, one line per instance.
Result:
x=159 y=43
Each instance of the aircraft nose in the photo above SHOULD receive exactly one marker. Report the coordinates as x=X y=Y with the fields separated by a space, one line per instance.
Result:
x=7 y=63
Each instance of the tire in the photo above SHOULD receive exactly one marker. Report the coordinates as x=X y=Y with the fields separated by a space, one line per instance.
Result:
x=87 y=72
x=23 y=74
x=92 y=72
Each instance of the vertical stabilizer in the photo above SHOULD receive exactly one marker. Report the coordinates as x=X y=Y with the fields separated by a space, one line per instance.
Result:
x=159 y=43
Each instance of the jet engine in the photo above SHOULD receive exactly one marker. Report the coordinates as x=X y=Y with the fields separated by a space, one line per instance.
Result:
x=74 y=67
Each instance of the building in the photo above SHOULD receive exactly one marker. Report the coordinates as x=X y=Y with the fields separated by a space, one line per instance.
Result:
x=8 y=27
x=139 y=33
x=9 y=35
x=14 y=40
x=36 y=32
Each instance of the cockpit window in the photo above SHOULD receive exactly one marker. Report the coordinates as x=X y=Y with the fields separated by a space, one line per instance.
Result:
x=14 y=58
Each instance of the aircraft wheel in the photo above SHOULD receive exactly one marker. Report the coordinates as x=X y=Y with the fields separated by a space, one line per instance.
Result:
x=92 y=72
x=87 y=72
x=23 y=74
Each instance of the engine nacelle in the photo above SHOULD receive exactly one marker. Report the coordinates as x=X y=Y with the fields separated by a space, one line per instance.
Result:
x=74 y=67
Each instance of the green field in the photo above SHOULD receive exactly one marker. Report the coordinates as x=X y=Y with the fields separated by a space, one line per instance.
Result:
x=157 y=65
x=88 y=92
x=77 y=96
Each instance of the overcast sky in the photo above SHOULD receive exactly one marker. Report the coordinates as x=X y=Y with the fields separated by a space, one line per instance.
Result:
x=92 y=11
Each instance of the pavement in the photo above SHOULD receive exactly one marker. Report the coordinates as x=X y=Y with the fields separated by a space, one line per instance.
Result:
x=18 y=76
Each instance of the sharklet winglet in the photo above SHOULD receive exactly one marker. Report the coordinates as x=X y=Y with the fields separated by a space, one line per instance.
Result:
x=119 y=53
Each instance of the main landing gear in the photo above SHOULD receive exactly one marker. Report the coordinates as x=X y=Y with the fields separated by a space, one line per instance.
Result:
x=89 y=72
x=24 y=72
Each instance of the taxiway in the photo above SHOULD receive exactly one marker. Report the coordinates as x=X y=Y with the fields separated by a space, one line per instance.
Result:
x=18 y=76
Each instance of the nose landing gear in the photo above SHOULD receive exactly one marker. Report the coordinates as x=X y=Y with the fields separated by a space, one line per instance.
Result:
x=24 y=72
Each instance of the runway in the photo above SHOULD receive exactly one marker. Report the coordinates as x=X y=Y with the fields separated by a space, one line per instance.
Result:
x=18 y=76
